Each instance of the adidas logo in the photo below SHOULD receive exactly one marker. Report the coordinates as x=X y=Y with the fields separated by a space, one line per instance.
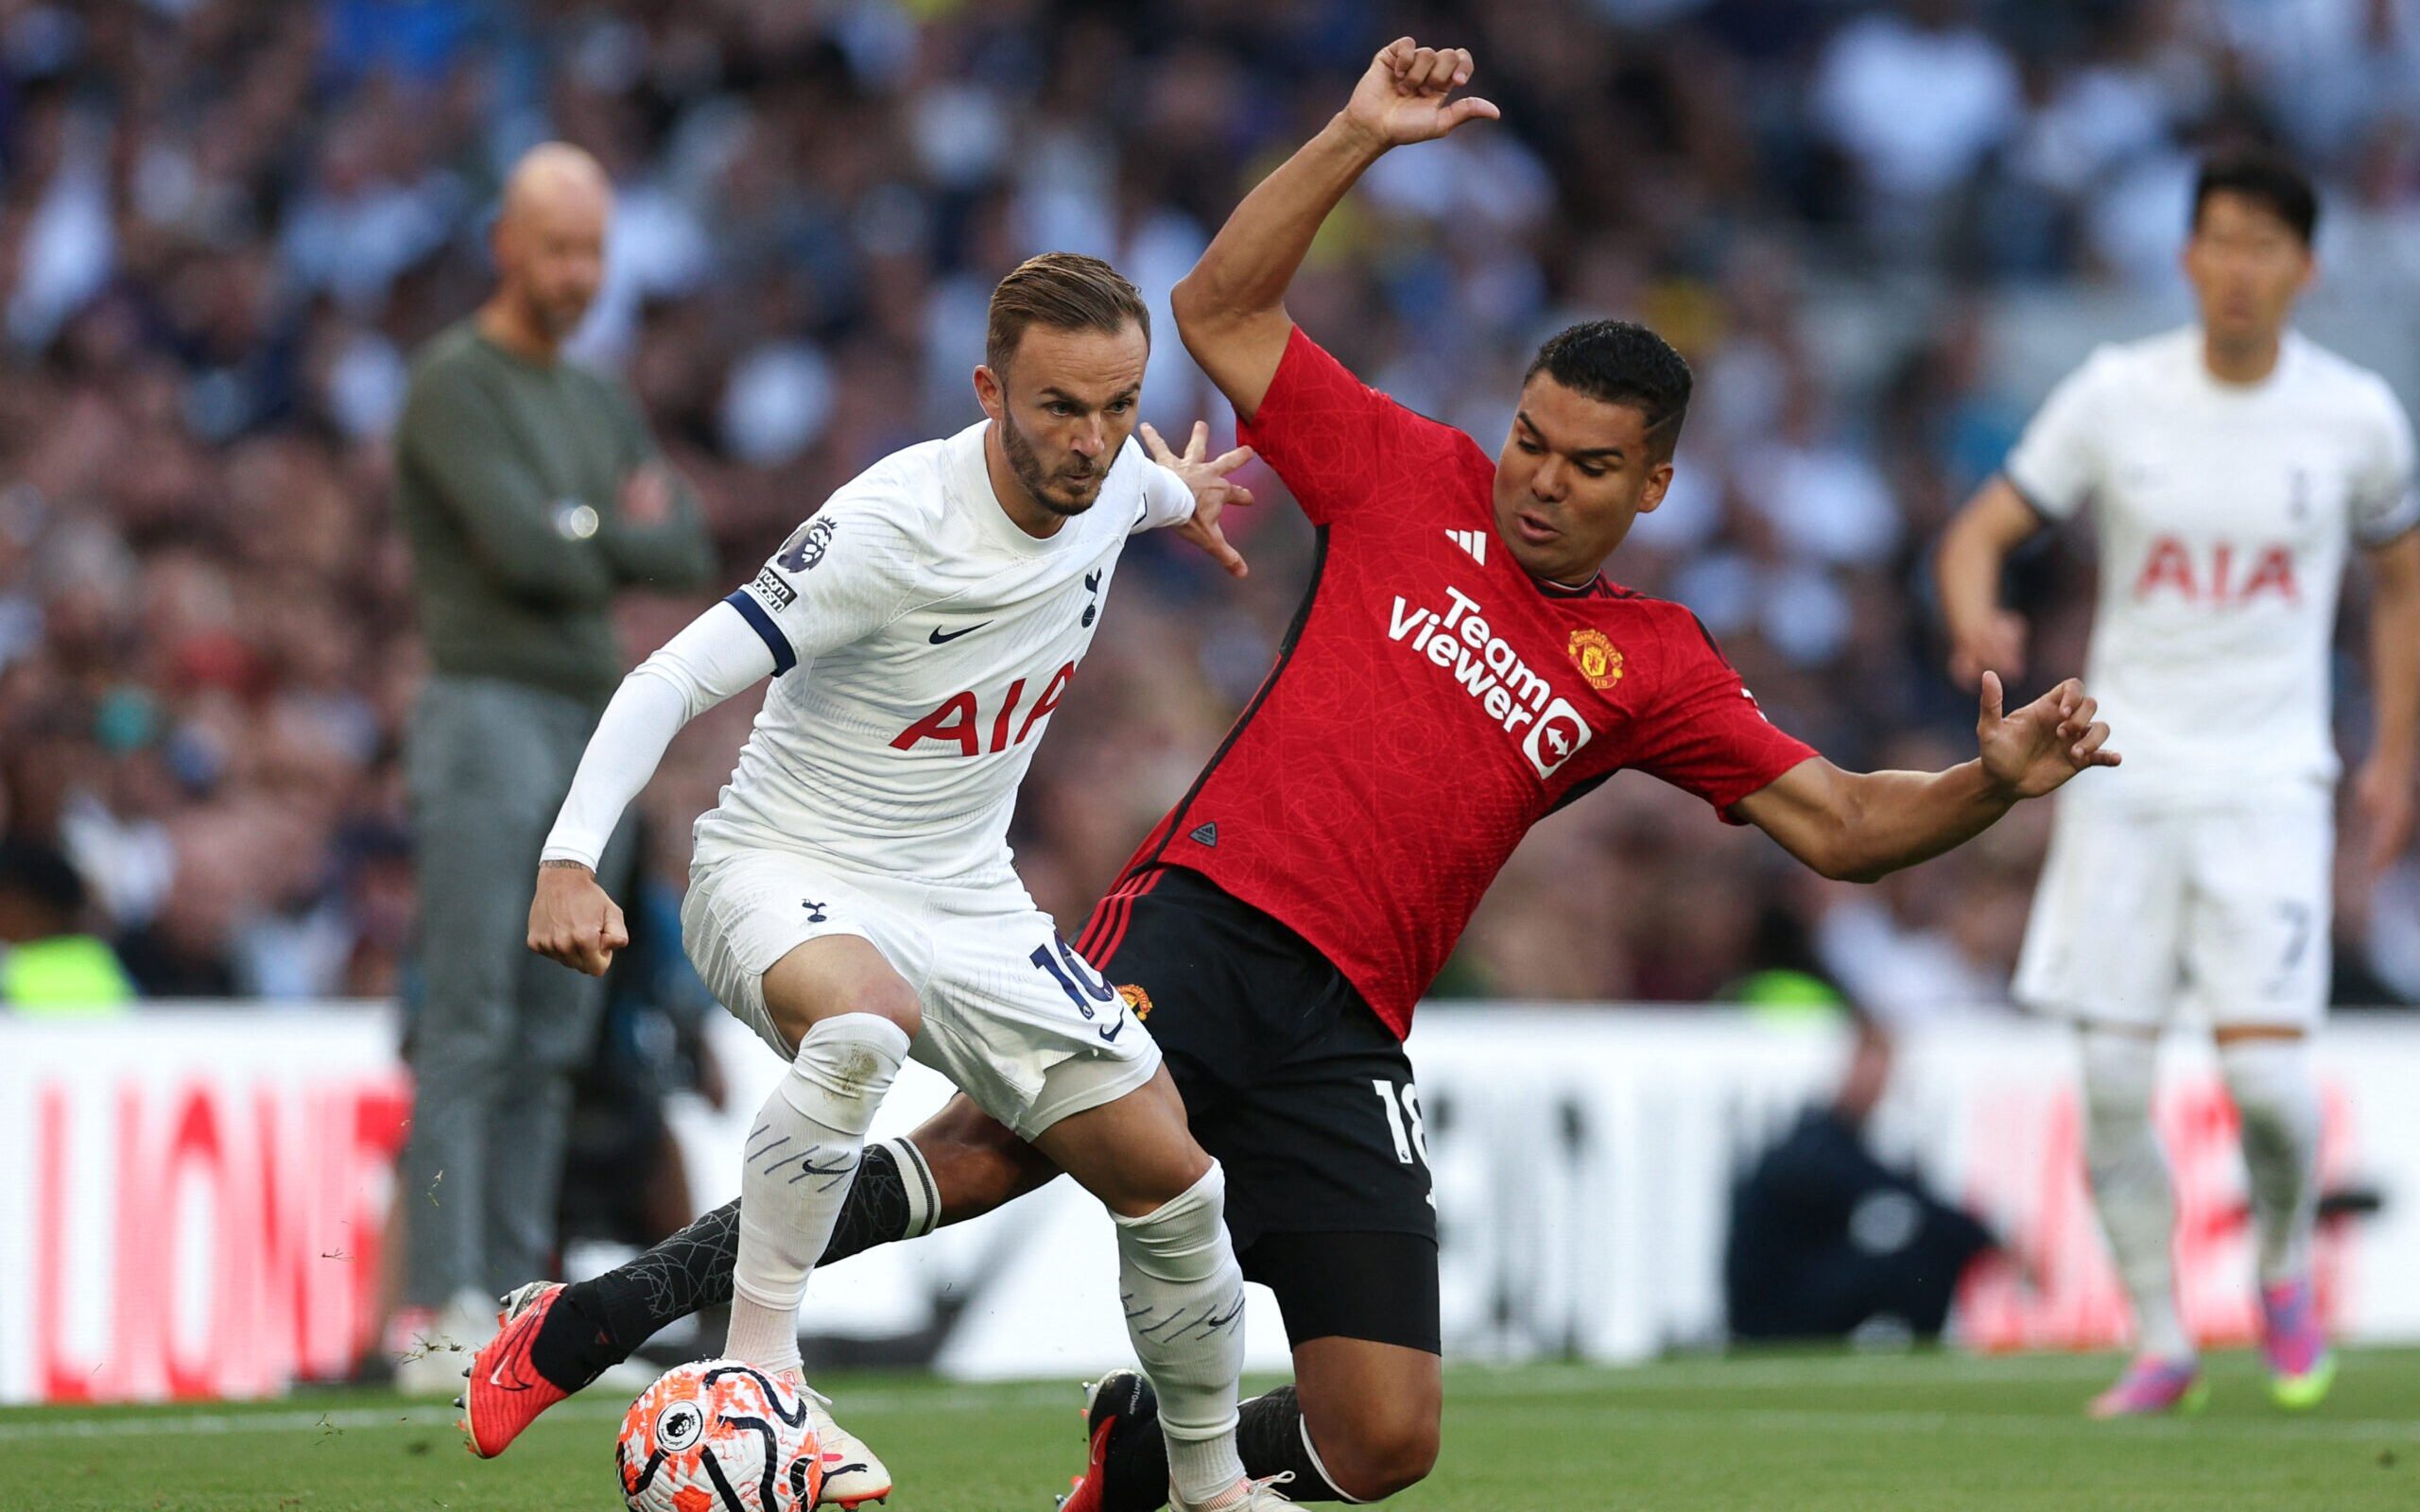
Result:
x=1472 y=542
x=1205 y=834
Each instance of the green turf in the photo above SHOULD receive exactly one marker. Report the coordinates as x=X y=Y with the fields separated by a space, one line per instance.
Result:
x=1791 y=1432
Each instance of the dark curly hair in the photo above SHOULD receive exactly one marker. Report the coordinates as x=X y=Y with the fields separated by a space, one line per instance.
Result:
x=1621 y=363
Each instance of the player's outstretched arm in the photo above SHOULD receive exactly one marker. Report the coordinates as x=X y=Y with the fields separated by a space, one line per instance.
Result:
x=1859 y=826
x=1231 y=309
x=571 y=919
x=1984 y=637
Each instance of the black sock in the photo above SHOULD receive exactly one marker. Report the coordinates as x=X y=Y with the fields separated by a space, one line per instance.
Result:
x=1268 y=1434
x=597 y=1324
x=1271 y=1438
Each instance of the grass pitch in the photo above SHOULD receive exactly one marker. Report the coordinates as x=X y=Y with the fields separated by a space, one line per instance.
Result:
x=1788 y=1432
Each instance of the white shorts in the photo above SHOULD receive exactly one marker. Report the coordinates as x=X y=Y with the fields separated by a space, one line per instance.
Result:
x=2140 y=909
x=1011 y=1014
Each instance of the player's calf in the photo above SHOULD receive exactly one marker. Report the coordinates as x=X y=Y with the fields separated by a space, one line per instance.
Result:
x=1371 y=1454
x=1177 y=1276
x=1127 y=1467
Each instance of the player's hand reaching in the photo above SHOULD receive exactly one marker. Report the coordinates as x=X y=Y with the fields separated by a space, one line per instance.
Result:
x=1213 y=491
x=2038 y=747
x=1402 y=98
x=1997 y=644
x=572 y=921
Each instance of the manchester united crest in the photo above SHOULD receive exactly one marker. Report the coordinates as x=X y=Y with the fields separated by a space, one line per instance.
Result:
x=1595 y=658
x=1137 y=1001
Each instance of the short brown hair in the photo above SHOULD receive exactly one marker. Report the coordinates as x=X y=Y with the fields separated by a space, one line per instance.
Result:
x=1063 y=291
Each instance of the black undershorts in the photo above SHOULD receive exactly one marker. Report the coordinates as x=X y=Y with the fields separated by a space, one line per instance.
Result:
x=1301 y=1092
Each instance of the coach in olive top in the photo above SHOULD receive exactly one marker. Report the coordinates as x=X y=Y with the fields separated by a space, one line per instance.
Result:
x=532 y=495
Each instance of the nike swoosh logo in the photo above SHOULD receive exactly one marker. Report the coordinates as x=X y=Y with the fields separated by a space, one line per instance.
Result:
x=1110 y=1036
x=516 y=1355
x=939 y=638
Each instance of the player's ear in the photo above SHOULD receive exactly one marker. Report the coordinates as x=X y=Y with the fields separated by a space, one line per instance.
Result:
x=1659 y=479
x=990 y=393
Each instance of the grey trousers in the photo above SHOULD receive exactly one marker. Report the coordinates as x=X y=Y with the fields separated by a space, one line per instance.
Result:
x=500 y=1030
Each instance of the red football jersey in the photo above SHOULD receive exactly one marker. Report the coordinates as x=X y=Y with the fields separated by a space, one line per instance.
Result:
x=1432 y=701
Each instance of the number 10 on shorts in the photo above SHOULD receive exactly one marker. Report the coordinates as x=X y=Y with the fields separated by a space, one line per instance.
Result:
x=1074 y=977
x=1402 y=1103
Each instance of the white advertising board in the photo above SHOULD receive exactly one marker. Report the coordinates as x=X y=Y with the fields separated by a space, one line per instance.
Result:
x=191 y=1200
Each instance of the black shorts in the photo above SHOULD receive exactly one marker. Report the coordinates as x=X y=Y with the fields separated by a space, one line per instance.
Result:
x=1300 y=1091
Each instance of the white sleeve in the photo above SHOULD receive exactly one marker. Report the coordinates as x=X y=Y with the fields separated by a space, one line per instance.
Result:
x=841 y=575
x=1167 y=501
x=717 y=655
x=2383 y=503
x=2058 y=462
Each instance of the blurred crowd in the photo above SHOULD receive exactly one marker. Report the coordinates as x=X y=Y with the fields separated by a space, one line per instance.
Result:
x=226 y=223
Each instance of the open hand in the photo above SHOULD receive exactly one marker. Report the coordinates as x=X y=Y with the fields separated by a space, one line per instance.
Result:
x=1402 y=98
x=572 y=921
x=2037 y=748
x=1213 y=492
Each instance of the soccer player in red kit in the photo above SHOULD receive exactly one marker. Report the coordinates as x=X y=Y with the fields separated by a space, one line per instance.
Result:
x=1460 y=669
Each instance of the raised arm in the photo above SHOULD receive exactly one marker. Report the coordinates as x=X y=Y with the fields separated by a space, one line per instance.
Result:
x=571 y=919
x=1984 y=637
x=1859 y=826
x=1231 y=309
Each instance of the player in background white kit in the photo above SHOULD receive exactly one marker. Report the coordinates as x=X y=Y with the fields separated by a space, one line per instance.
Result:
x=851 y=895
x=2228 y=466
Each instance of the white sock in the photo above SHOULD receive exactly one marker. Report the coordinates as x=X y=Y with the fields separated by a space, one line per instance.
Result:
x=2130 y=1183
x=1184 y=1296
x=2276 y=1095
x=801 y=1156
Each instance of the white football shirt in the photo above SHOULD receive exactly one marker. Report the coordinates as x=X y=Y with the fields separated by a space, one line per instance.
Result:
x=2224 y=511
x=920 y=641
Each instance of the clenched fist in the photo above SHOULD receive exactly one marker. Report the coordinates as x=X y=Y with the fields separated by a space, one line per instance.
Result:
x=572 y=921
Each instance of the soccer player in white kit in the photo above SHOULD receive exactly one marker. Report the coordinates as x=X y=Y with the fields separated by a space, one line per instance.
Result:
x=2228 y=466
x=851 y=897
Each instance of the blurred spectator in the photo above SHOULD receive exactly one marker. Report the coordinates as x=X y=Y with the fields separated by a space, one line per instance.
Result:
x=1827 y=1242
x=1916 y=95
x=532 y=492
x=1880 y=232
x=49 y=965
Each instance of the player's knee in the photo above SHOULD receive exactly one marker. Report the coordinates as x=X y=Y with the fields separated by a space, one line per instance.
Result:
x=1178 y=1171
x=1380 y=1449
x=882 y=996
x=1162 y=1159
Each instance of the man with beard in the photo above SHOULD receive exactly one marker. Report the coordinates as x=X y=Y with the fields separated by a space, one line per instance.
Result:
x=532 y=495
x=852 y=897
